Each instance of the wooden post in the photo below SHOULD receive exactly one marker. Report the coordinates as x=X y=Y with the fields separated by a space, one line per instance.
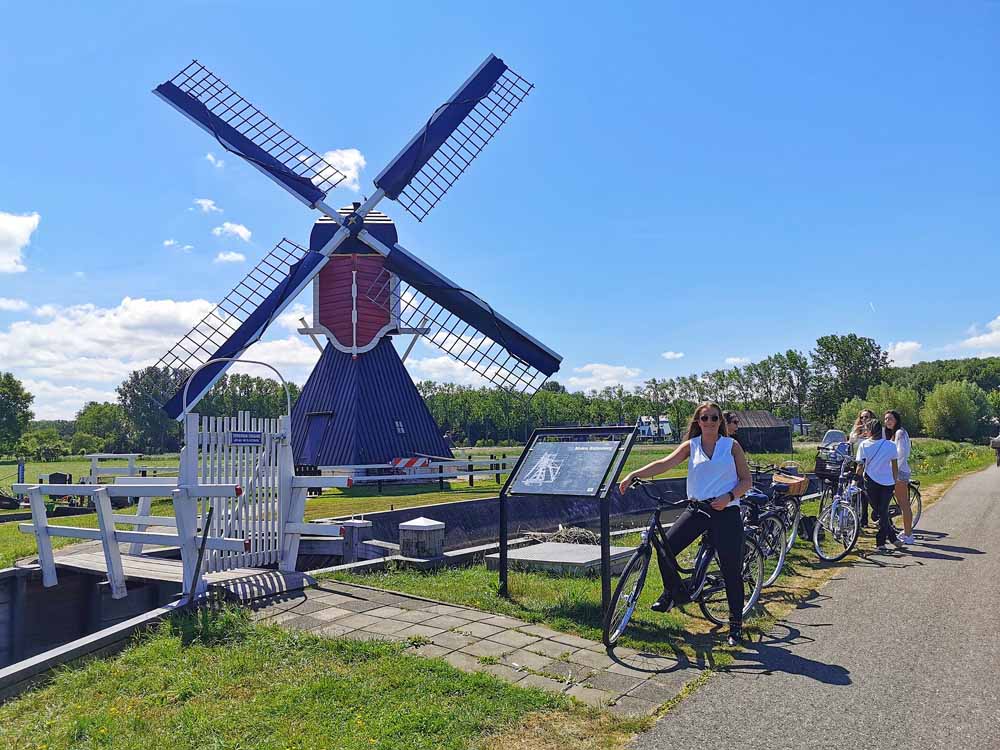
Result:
x=186 y=512
x=112 y=555
x=471 y=478
x=496 y=466
x=41 y=523
x=441 y=479
x=143 y=508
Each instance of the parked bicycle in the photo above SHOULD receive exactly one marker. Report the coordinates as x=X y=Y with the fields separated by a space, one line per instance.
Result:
x=788 y=503
x=838 y=524
x=704 y=581
x=764 y=522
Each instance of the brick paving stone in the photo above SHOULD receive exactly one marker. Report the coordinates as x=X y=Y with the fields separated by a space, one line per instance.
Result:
x=591 y=696
x=306 y=607
x=465 y=662
x=505 y=673
x=474 y=615
x=653 y=692
x=447 y=622
x=385 y=612
x=550 y=649
x=332 y=613
x=513 y=638
x=529 y=659
x=415 y=615
x=453 y=641
x=332 y=599
x=415 y=604
x=333 y=631
x=568 y=671
x=281 y=617
x=504 y=622
x=650 y=662
x=625 y=669
x=421 y=631
x=478 y=629
x=619 y=684
x=429 y=650
x=359 y=605
x=387 y=627
x=358 y=620
x=303 y=622
x=633 y=707
x=591 y=658
x=542 y=683
x=445 y=609
x=486 y=648
x=540 y=630
x=363 y=635
x=571 y=640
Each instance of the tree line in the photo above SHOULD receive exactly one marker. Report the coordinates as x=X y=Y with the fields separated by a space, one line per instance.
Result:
x=955 y=399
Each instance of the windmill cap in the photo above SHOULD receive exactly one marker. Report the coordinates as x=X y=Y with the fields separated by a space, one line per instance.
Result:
x=377 y=223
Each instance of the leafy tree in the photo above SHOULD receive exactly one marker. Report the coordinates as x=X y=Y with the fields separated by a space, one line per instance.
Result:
x=883 y=397
x=956 y=410
x=15 y=411
x=796 y=378
x=262 y=397
x=65 y=427
x=84 y=442
x=848 y=413
x=41 y=445
x=105 y=421
x=141 y=397
x=844 y=367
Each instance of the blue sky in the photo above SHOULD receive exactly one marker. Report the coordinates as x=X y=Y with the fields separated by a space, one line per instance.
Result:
x=721 y=182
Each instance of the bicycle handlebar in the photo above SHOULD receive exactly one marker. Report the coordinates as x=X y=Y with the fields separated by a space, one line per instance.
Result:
x=650 y=490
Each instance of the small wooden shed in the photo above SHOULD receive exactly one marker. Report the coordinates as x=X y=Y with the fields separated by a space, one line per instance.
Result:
x=762 y=432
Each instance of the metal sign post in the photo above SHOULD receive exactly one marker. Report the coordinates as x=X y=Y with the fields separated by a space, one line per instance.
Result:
x=581 y=462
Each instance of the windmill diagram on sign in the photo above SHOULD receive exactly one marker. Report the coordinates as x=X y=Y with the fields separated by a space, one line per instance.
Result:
x=545 y=470
x=359 y=404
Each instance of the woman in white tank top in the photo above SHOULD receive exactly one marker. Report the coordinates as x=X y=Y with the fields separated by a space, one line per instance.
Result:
x=717 y=472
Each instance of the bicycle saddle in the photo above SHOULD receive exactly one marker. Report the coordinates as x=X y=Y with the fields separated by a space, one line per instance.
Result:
x=755 y=497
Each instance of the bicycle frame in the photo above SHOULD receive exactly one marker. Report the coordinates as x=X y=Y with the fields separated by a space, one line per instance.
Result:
x=655 y=536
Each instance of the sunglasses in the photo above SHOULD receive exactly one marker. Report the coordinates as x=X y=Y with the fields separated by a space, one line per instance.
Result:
x=706 y=417
x=733 y=421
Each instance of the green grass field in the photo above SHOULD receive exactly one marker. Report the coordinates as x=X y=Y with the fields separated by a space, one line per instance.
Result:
x=220 y=681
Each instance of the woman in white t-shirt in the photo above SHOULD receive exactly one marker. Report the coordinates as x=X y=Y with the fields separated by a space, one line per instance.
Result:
x=877 y=462
x=895 y=432
x=717 y=472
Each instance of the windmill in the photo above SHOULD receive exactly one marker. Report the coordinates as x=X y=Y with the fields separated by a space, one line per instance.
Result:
x=359 y=404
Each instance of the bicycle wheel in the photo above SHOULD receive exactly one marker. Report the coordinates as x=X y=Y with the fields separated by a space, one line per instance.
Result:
x=772 y=541
x=836 y=532
x=713 y=602
x=825 y=497
x=793 y=513
x=626 y=595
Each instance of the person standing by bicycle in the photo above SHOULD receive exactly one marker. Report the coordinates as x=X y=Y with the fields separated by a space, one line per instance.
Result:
x=877 y=464
x=732 y=425
x=857 y=436
x=895 y=432
x=717 y=472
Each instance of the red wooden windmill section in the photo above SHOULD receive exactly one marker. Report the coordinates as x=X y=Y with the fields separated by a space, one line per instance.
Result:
x=340 y=290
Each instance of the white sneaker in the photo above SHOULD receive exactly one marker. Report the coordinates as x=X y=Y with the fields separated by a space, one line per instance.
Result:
x=907 y=539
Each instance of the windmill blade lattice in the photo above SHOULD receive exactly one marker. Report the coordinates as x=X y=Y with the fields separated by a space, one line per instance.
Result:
x=243 y=129
x=240 y=318
x=454 y=136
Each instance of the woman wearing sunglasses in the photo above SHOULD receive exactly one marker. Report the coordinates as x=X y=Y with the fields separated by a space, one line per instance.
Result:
x=718 y=472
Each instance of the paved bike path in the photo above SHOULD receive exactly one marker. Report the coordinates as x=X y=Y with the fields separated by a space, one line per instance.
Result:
x=897 y=651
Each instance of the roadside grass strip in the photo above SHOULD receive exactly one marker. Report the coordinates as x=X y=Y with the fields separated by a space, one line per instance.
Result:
x=216 y=679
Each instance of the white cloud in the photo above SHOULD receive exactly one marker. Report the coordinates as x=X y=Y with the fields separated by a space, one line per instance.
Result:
x=207 y=206
x=75 y=352
x=904 y=353
x=15 y=235
x=294 y=357
x=187 y=248
x=737 y=361
x=349 y=161
x=12 y=305
x=229 y=229
x=598 y=375
x=169 y=243
x=228 y=256
x=217 y=163
x=986 y=342
x=672 y=355
x=443 y=369
x=289 y=319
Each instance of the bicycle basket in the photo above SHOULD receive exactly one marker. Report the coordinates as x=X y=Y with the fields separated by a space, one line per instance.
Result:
x=793 y=485
x=828 y=464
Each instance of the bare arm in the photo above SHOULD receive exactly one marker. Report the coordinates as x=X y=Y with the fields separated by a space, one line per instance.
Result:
x=657 y=467
x=743 y=473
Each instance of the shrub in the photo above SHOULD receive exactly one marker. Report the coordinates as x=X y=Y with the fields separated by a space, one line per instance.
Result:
x=956 y=410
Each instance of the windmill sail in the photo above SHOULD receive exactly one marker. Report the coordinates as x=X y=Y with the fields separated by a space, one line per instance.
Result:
x=462 y=325
x=243 y=129
x=453 y=137
x=239 y=320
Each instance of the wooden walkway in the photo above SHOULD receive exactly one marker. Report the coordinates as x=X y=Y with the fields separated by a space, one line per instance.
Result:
x=245 y=584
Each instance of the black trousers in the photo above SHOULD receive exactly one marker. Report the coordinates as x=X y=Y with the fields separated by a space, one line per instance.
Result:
x=725 y=528
x=880 y=496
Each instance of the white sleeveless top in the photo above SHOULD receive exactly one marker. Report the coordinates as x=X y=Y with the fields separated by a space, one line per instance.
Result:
x=715 y=476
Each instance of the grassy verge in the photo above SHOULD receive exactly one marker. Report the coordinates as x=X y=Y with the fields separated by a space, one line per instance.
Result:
x=220 y=681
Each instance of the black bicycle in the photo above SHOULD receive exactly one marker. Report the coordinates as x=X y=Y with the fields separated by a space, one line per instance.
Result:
x=704 y=582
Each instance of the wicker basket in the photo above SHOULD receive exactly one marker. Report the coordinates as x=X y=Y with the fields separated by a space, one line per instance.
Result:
x=794 y=485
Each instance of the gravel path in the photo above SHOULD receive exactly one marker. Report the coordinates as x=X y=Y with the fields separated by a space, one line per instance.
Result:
x=899 y=651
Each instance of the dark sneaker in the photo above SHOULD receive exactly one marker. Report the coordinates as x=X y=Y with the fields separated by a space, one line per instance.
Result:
x=664 y=604
x=735 y=636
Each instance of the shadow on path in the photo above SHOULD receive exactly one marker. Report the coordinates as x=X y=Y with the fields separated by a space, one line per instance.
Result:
x=766 y=657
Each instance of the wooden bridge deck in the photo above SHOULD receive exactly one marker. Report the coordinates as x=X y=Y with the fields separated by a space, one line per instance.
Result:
x=245 y=584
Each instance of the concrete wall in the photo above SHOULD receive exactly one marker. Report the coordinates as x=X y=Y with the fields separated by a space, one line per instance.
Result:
x=34 y=619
